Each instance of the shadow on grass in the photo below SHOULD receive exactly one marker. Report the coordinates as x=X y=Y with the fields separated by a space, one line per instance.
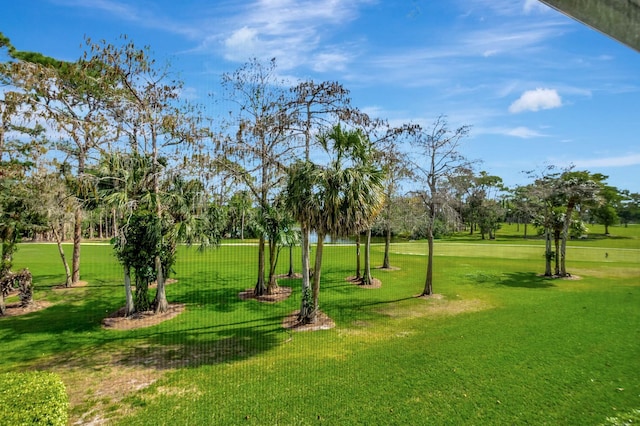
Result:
x=524 y=280
x=61 y=336
x=69 y=333
x=206 y=345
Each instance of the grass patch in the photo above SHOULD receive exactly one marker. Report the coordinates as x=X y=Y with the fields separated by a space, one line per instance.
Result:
x=500 y=346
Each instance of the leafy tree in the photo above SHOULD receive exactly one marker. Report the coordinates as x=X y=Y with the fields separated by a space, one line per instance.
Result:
x=240 y=214
x=490 y=218
x=521 y=207
x=148 y=111
x=437 y=160
x=124 y=182
x=314 y=107
x=387 y=139
x=54 y=205
x=575 y=188
x=71 y=97
x=142 y=241
x=339 y=198
x=606 y=213
x=629 y=209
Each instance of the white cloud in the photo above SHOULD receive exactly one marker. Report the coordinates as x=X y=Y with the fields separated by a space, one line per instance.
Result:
x=535 y=100
x=292 y=31
x=534 y=5
x=330 y=61
x=518 y=132
x=622 y=161
x=242 y=44
x=524 y=133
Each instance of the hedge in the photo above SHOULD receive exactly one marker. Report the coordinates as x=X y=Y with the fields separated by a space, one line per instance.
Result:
x=32 y=398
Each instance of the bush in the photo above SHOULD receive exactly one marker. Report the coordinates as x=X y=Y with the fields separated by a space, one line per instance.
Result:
x=32 y=398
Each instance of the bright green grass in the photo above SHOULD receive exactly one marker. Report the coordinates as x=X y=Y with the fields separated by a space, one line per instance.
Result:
x=502 y=346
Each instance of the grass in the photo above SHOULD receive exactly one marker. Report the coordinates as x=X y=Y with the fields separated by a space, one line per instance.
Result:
x=501 y=346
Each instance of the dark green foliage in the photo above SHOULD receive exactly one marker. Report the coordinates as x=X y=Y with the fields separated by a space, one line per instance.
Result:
x=142 y=240
x=32 y=398
x=440 y=229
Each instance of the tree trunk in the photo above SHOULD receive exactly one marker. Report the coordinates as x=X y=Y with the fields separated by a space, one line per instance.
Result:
x=260 y=288
x=313 y=317
x=565 y=237
x=161 y=304
x=68 y=282
x=272 y=287
x=129 y=306
x=305 y=305
x=366 y=277
x=114 y=228
x=556 y=242
x=548 y=253
x=26 y=288
x=100 y=226
x=77 y=238
x=291 y=274
x=358 y=256
x=3 y=305
x=8 y=247
x=387 y=245
x=242 y=225
x=428 y=285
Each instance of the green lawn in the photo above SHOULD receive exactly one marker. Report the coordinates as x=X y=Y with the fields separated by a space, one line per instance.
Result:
x=500 y=346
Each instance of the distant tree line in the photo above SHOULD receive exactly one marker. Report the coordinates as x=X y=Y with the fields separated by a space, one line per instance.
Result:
x=106 y=147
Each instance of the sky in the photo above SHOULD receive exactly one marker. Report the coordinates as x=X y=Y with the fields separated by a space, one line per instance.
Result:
x=536 y=87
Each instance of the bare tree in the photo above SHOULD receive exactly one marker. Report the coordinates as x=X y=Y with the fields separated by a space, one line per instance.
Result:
x=438 y=159
x=258 y=153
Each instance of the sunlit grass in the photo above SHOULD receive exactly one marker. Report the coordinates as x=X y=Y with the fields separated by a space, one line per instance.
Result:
x=499 y=345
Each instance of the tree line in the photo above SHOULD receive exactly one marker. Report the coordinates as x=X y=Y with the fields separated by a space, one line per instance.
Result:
x=106 y=147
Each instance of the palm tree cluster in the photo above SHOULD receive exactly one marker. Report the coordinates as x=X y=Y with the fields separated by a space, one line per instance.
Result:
x=107 y=145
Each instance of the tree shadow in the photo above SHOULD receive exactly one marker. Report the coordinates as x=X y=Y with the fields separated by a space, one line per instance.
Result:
x=206 y=345
x=213 y=290
x=524 y=280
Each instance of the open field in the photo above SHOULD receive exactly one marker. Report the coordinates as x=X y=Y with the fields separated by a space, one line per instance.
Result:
x=501 y=345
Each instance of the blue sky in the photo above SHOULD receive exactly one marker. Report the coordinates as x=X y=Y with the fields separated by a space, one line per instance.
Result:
x=537 y=87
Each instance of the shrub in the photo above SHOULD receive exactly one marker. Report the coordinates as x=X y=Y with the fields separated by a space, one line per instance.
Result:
x=32 y=398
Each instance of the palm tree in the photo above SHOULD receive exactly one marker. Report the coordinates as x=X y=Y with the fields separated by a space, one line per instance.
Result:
x=337 y=199
x=124 y=183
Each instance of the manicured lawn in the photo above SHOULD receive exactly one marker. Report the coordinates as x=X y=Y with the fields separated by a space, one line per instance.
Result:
x=501 y=345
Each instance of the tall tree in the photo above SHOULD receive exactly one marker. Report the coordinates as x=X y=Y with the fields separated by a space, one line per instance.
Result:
x=629 y=209
x=315 y=107
x=385 y=143
x=606 y=213
x=438 y=159
x=55 y=205
x=262 y=144
x=339 y=198
x=148 y=109
x=575 y=188
x=72 y=97
x=542 y=196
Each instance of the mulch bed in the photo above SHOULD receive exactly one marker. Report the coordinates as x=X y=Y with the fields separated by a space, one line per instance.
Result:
x=14 y=309
x=375 y=283
x=118 y=321
x=280 y=294
x=323 y=322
